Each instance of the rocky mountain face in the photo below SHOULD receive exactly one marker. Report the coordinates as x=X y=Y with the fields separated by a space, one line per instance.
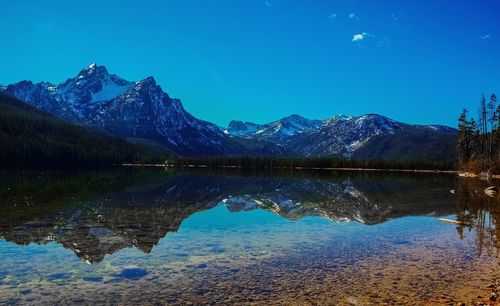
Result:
x=141 y=111
x=39 y=96
x=146 y=112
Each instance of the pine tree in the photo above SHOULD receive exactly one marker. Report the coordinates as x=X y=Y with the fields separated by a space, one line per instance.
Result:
x=473 y=138
x=463 y=137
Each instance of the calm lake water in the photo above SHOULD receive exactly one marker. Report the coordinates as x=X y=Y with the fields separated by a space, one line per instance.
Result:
x=155 y=237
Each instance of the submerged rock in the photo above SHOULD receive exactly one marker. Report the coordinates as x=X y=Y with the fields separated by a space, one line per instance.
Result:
x=132 y=273
x=93 y=278
x=58 y=276
x=491 y=191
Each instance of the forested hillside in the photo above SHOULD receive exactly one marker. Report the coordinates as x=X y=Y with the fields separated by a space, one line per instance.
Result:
x=29 y=136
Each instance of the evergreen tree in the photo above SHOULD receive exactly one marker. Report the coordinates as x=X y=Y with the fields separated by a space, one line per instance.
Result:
x=473 y=138
x=463 y=138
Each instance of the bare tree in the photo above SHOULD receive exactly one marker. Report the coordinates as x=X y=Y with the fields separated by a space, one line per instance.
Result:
x=492 y=120
x=483 y=127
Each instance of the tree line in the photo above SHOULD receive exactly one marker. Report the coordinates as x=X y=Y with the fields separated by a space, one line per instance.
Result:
x=270 y=163
x=478 y=141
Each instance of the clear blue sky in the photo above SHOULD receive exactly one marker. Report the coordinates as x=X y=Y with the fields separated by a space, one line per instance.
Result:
x=258 y=60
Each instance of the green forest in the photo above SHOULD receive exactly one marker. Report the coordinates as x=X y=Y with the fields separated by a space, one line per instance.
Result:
x=31 y=137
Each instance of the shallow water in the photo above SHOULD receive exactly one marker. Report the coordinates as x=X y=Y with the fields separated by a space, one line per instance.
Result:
x=154 y=237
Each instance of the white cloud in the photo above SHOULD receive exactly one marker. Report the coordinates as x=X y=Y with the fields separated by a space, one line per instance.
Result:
x=353 y=16
x=332 y=16
x=486 y=36
x=268 y=3
x=360 y=36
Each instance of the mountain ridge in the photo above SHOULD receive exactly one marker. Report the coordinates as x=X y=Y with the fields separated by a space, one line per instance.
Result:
x=342 y=135
x=143 y=111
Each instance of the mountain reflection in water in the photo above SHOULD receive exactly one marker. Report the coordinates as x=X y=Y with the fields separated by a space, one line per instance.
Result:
x=99 y=213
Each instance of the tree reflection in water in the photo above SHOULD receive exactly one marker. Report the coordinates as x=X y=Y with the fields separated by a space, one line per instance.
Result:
x=477 y=210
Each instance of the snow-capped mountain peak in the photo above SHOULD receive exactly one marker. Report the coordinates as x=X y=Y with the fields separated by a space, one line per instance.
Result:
x=92 y=69
x=90 y=87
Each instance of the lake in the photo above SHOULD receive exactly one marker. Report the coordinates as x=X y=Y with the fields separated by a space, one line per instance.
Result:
x=141 y=237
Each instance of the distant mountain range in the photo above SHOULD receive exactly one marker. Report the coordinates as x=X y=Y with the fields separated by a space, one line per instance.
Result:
x=366 y=137
x=143 y=112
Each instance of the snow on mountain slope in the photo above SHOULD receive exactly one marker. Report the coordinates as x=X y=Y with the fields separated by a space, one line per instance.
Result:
x=336 y=135
x=274 y=131
x=109 y=90
x=342 y=135
x=92 y=85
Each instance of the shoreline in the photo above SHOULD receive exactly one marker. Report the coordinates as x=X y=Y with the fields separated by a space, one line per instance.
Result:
x=294 y=168
x=460 y=173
